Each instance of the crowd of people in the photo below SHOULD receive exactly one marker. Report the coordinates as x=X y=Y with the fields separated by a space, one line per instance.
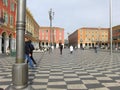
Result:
x=29 y=47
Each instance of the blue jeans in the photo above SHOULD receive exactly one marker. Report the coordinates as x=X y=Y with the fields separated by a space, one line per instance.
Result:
x=27 y=57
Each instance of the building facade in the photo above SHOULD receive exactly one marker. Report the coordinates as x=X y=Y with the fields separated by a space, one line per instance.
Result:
x=32 y=29
x=48 y=36
x=8 y=13
x=89 y=37
x=7 y=24
x=116 y=36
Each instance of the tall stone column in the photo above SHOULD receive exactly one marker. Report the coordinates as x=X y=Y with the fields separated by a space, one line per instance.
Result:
x=13 y=44
x=57 y=45
x=79 y=45
x=6 y=43
x=20 y=68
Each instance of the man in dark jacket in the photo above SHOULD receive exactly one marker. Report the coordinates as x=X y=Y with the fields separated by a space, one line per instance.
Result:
x=61 y=48
x=95 y=49
x=31 y=52
x=27 y=52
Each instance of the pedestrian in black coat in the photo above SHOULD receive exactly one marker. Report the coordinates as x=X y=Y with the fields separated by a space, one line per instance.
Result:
x=61 y=48
x=31 y=52
x=95 y=49
x=27 y=53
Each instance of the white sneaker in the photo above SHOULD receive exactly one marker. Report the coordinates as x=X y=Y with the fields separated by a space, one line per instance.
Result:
x=35 y=65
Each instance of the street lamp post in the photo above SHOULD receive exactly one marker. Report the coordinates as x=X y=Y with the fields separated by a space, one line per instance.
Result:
x=20 y=68
x=110 y=8
x=98 y=37
x=51 y=16
x=68 y=38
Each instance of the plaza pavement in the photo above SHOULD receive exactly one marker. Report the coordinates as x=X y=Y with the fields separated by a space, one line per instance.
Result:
x=82 y=70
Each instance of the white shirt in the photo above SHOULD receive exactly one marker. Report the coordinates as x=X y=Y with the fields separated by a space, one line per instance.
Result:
x=71 y=48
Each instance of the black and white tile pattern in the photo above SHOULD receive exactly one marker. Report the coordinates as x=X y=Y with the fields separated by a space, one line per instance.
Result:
x=82 y=70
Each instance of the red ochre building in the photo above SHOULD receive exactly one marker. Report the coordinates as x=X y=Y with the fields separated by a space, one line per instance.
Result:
x=89 y=37
x=8 y=24
x=51 y=36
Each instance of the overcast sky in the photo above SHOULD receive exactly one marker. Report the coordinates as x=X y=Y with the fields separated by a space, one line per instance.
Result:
x=74 y=14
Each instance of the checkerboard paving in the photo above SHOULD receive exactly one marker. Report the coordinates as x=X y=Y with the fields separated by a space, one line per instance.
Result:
x=83 y=70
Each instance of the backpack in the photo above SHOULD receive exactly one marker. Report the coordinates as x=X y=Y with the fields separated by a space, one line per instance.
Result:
x=31 y=47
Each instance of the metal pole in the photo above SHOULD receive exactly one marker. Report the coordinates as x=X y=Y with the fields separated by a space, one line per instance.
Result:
x=51 y=15
x=99 y=37
x=20 y=69
x=21 y=13
x=68 y=39
x=110 y=6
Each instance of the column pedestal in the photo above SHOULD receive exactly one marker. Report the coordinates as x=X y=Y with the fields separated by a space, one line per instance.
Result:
x=20 y=77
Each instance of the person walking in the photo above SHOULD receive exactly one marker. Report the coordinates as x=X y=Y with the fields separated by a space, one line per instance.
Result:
x=50 y=49
x=71 y=49
x=61 y=48
x=95 y=49
x=27 y=53
x=31 y=52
